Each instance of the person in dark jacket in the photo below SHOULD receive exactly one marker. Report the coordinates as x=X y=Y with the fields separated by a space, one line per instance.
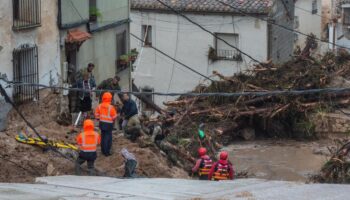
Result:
x=85 y=96
x=110 y=84
x=130 y=164
x=131 y=123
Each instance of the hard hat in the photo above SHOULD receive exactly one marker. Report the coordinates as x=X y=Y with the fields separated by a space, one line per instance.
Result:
x=223 y=155
x=202 y=151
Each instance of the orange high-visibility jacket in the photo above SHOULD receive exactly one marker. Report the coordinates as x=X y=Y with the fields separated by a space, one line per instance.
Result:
x=105 y=112
x=88 y=139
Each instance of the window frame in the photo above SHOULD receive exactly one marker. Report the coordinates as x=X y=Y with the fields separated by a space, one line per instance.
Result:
x=236 y=56
x=346 y=22
x=314 y=9
x=27 y=73
x=26 y=18
x=146 y=37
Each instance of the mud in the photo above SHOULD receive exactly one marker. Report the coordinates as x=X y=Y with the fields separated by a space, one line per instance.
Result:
x=286 y=160
x=22 y=163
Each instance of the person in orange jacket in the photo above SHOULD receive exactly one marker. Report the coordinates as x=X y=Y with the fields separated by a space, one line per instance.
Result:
x=106 y=114
x=203 y=164
x=87 y=141
x=222 y=170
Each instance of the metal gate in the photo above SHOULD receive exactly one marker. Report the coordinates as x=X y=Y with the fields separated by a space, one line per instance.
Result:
x=25 y=70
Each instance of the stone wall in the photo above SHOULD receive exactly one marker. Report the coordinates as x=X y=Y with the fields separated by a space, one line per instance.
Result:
x=332 y=123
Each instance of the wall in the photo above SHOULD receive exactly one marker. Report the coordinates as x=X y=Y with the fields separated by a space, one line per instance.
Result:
x=281 y=40
x=189 y=44
x=45 y=37
x=74 y=11
x=309 y=23
x=101 y=48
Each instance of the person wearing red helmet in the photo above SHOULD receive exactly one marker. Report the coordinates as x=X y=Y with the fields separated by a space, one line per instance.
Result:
x=221 y=170
x=203 y=164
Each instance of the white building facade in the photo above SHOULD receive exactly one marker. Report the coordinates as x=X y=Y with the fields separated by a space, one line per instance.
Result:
x=29 y=48
x=339 y=27
x=186 y=42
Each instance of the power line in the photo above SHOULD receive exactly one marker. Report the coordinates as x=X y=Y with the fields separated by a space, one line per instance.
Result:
x=206 y=30
x=206 y=77
x=8 y=100
x=212 y=94
x=191 y=69
x=279 y=25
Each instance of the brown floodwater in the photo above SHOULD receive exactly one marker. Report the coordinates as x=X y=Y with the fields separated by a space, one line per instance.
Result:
x=278 y=160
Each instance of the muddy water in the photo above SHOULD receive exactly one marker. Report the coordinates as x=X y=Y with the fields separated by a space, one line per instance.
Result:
x=287 y=160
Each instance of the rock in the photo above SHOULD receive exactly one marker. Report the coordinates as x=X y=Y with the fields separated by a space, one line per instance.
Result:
x=50 y=169
x=247 y=134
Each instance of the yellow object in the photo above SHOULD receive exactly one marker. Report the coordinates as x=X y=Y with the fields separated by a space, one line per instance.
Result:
x=39 y=142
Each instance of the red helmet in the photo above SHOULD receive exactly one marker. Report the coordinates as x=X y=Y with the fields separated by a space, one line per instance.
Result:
x=202 y=151
x=223 y=155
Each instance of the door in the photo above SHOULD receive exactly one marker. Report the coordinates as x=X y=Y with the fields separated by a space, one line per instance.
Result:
x=121 y=49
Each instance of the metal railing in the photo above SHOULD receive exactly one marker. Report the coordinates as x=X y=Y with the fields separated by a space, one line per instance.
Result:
x=228 y=55
x=25 y=69
x=26 y=14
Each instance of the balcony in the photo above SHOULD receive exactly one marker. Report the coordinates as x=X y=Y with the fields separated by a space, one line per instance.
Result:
x=220 y=54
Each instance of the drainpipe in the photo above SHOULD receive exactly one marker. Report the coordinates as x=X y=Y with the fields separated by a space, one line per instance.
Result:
x=334 y=36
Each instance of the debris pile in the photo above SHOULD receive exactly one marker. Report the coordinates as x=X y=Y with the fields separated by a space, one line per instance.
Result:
x=23 y=162
x=337 y=168
x=247 y=117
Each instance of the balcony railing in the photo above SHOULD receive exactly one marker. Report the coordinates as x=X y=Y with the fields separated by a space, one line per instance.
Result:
x=228 y=55
x=26 y=14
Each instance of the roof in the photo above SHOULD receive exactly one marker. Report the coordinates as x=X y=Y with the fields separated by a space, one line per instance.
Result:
x=211 y=6
x=77 y=36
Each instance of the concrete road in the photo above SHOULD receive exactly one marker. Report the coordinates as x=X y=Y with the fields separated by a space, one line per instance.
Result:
x=73 y=187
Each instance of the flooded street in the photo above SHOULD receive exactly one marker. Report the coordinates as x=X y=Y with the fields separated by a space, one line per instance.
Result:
x=279 y=160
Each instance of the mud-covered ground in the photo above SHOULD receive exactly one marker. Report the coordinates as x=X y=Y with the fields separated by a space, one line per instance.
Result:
x=22 y=163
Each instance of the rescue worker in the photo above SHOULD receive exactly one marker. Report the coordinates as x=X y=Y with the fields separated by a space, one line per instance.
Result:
x=203 y=164
x=110 y=84
x=106 y=114
x=130 y=163
x=87 y=141
x=221 y=170
x=131 y=123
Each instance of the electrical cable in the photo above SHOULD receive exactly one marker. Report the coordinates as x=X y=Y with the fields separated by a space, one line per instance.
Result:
x=279 y=25
x=191 y=69
x=191 y=94
x=8 y=100
x=206 y=30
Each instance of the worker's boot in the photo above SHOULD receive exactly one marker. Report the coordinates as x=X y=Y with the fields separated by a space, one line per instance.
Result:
x=92 y=172
x=77 y=169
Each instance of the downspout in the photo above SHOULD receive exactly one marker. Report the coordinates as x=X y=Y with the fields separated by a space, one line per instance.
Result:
x=59 y=16
x=334 y=24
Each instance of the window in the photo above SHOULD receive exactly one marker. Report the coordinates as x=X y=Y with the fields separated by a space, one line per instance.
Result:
x=147 y=35
x=25 y=69
x=346 y=16
x=224 y=51
x=93 y=11
x=146 y=107
x=121 y=50
x=314 y=7
x=26 y=14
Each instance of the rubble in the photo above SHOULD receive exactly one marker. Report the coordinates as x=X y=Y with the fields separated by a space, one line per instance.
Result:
x=247 y=117
x=337 y=168
x=23 y=163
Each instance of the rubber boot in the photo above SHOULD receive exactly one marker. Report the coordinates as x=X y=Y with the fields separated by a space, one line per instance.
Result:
x=77 y=169
x=92 y=172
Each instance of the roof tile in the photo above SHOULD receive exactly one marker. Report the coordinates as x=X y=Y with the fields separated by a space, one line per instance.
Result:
x=249 y=6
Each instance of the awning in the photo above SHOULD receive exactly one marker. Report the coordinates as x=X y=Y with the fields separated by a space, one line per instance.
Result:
x=77 y=36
